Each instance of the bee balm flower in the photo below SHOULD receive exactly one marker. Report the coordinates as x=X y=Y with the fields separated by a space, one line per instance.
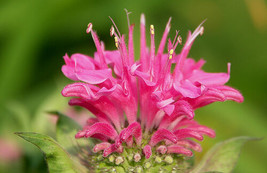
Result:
x=144 y=108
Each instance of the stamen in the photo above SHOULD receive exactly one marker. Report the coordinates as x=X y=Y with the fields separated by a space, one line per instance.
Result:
x=171 y=53
x=128 y=19
x=179 y=39
x=116 y=41
x=115 y=25
x=177 y=32
x=201 y=30
x=152 y=29
x=89 y=28
x=112 y=30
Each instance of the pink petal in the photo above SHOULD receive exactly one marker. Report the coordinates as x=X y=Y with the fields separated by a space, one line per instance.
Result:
x=210 y=96
x=114 y=58
x=99 y=114
x=101 y=146
x=179 y=150
x=165 y=105
x=94 y=76
x=100 y=128
x=147 y=151
x=203 y=130
x=231 y=93
x=187 y=133
x=99 y=49
x=143 y=57
x=131 y=45
x=210 y=79
x=86 y=91
x=160 y=135
x=188 y=89
x=135 y=130
x=111 y=149
x=162 y=149
x=190 y=144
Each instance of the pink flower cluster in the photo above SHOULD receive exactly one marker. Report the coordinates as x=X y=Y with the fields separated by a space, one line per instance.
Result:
x=145 y=99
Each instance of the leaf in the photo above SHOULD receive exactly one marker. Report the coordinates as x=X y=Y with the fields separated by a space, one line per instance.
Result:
x=56 y=157
x=65 y=131
x=223 y=156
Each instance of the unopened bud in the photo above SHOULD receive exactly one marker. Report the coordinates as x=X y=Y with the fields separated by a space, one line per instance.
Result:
x=130 y=157
x=139 y=169
x=119 y=160
x=147 y=165
x=158 y=159
x=111 y=158
x=168 y=159
x=137 y=157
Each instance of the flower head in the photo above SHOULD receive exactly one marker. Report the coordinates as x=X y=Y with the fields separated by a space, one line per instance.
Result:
x=144 y=105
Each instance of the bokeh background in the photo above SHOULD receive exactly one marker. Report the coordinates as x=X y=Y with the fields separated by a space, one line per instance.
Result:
x=35 y=34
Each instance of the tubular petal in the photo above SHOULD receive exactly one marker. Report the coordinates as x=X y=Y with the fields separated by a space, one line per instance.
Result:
x=147 y=151
x=179 y=150
x=160 y=135
x=101 y=128
x=101 y=146
x=187 y=133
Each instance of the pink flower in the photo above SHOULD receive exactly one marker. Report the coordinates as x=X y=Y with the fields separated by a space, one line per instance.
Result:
x=144 y=104
x=9 y=150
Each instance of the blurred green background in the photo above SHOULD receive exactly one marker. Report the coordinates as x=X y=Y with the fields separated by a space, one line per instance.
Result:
x=35 y=34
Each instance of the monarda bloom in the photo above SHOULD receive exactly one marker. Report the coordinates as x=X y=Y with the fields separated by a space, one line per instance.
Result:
x=144 y=109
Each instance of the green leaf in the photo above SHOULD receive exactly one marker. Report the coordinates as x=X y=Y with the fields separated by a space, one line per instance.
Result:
x=223 y=156
x=58 y=160
x=65 y=131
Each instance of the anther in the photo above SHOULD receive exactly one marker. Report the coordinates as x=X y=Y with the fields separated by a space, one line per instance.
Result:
x=179 y=39
x=171 y=53
x=112 y=30
x=119 y=160
x=89 y=28
x=152 y=29
x=116 y=41
x=201 y=30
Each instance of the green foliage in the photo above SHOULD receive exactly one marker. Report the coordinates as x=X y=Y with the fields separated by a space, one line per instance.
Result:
x=58 y=160
x=223 y=156
x=65 y=131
